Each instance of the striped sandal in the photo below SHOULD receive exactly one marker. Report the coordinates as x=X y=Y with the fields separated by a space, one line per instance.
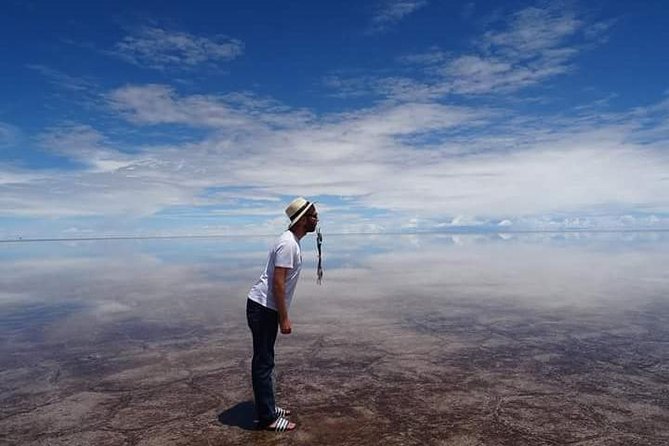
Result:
x=281 y=424
x=280 y=412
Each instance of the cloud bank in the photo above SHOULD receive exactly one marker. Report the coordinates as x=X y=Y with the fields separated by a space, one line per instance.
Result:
x=435 y=151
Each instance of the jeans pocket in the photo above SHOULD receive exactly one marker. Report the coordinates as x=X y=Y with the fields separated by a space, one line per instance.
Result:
x=254 y=313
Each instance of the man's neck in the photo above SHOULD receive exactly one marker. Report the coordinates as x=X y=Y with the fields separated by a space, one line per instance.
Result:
x=298 y=232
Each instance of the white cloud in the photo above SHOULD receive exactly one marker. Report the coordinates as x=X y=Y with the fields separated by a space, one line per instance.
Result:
x=159 y=48
x=159 y=104
x=465 y=220
x=76 y=84
x=390 y=12
x=9 y=135
x=592 y=221
x=431 y=57
x=91 y=194
x=12 y=176
x=532 y=31
x=523 y=49
x=532 y=45
x=86 y=145
x=347 y=87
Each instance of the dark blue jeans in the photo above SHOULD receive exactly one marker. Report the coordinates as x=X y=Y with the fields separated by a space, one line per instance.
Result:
x=264 y=324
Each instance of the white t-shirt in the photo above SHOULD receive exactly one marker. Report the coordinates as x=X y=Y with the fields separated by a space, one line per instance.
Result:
x=286 y=254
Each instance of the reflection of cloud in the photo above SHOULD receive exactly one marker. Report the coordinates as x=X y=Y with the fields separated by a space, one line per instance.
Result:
x=13 y=297
x=111 y=309
x=199 y=281
x=537 y=269
x=125 y=283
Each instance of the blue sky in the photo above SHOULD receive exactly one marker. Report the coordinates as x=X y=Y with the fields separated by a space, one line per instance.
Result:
x=174 y=118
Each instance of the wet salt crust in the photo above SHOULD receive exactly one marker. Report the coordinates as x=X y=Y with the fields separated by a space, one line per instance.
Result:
x=482 y=341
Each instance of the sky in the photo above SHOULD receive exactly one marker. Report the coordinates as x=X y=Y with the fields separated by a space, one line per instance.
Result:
x=207 y=118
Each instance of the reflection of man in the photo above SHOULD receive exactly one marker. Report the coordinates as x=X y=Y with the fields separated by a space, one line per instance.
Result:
x=267 y=309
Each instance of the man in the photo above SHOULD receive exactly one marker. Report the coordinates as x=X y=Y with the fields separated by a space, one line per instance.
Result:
x=267 y=309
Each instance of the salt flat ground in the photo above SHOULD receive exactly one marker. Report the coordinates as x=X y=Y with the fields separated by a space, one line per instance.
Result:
x=498 y=339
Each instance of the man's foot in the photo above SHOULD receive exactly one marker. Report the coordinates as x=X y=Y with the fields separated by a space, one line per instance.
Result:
x=281 y=424
x=280 y=412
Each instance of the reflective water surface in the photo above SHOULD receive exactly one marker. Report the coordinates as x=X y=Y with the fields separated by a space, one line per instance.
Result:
x=412 y=339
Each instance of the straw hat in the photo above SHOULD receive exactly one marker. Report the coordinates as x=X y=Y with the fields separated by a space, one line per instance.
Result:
x=296 y=209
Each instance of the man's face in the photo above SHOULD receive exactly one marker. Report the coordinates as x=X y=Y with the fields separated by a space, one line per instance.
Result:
x=311 y=219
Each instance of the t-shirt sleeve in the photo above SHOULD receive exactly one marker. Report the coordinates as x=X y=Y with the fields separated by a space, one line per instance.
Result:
x=285 y=253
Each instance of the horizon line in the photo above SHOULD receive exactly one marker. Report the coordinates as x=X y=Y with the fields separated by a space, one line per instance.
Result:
x=451 y=231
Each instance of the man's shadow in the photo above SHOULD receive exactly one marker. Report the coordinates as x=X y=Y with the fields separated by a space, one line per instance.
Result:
x=240 y=415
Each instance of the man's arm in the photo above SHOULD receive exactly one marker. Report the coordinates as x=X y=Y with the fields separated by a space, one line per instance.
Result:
x=279 y=293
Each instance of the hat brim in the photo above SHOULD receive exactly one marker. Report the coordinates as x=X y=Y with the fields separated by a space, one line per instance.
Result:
x=300 y=215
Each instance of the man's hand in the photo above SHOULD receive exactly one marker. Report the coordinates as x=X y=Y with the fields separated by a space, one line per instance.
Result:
x=286 y=326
